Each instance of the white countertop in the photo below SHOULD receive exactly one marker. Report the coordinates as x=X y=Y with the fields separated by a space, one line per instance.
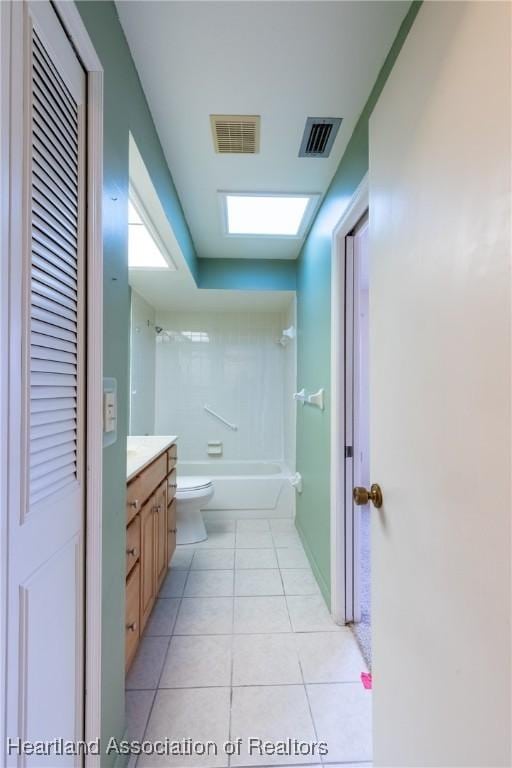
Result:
x=141 y=450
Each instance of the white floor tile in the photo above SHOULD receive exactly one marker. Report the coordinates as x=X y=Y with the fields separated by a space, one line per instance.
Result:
x=265 y=660
x=213 y=559
x=219 y=526
x=293 y=557
x=198 y=661
x=217 y=540
x=254 y=540
x=299 y=581
x=147 y=665
x=342 y=715
x=245 y=526
x=261 y=614
x=174 y=584
x=199 y=714
x=270 y=713
x=163 y=616
x=308 y=613
x=181 y=559
x=258 y=582
x=205 y=616
x=137 y=708
x=209 y=584
x=330 y=657
x=255 y=558
x=282 y=524
x=286 y=539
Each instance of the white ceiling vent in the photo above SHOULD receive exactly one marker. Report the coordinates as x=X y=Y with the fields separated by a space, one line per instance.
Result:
x=319 y=135
x=236 y=134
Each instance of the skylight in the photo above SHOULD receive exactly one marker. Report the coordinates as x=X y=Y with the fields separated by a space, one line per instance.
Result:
x=143 y=252
x=267 y=215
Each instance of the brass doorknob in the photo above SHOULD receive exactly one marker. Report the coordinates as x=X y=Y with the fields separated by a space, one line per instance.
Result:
x=362 y=496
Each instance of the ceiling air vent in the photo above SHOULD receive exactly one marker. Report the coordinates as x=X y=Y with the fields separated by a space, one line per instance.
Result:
x=236 y=134
x=319 y=135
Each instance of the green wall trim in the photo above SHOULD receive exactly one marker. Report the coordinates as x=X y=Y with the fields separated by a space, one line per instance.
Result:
x=314 y=331
x=248 y=274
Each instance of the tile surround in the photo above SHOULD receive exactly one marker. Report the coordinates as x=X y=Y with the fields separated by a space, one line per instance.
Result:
x=248 y=648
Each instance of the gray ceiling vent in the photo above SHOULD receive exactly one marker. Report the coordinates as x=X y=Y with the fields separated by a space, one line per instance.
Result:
x=236 y=134
x=319 y=135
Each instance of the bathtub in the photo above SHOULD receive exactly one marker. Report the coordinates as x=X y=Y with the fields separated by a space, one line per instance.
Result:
x=263 y=487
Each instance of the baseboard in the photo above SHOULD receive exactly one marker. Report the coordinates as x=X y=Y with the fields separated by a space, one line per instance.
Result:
x=325 y=588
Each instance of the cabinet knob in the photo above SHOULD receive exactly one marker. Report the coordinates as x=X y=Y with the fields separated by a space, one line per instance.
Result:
x=172 y=530
x=132 y=551
x=132 y=627
x=134 y=504
x=173 y=485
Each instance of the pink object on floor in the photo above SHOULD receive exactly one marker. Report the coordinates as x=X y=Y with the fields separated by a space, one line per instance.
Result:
x=366 y=679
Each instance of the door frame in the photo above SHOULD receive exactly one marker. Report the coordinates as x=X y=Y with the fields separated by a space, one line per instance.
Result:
x=10 y=143
x=355 y=209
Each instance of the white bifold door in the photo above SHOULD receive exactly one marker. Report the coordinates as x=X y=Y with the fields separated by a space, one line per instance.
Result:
x=46 y=369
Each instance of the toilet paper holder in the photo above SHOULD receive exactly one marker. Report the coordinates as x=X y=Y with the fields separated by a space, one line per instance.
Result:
x=316 y=399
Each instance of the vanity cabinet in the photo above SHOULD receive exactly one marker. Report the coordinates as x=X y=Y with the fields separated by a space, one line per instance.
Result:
x=150 y=541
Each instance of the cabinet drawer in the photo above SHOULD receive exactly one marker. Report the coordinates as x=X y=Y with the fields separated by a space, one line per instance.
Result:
x=171 y=529
x=171 y=486
x=141 y=487
x=132 y=543
x=172 y=457
x=132 y=625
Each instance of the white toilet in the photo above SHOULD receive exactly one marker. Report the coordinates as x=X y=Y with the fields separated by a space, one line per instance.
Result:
x=192 y=494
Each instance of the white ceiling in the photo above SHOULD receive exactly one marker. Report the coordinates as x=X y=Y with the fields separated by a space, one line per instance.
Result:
x=284 y=61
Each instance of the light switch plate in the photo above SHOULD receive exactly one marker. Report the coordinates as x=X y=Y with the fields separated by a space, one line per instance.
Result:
x=109 y=411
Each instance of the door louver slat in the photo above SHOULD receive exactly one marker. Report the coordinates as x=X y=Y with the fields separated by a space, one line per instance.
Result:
x=44 y=243
x=44 y=177
x=54 y=310
x=48 y=213
x=51 y=342
x=65 y=329
x=46 y=64
x=45 y=443
x=50 y=405
x=46 y=417
x=60 y=287
x=38 y=458
x=65 y=152
x=54 y=307
x=51 y=393
x=49 y=266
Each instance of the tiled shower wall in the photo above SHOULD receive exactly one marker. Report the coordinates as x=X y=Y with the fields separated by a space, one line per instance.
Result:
x=232 y=363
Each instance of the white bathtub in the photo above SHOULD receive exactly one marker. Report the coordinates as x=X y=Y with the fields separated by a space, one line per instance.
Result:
x=263 y=487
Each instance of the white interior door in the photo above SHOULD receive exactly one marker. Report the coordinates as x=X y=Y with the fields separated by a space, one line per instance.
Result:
x=46 y=526
x=441 y=392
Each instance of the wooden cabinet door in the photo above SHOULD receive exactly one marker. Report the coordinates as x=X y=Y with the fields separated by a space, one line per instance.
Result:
x=147 y=560
x=132 y=625
x=171 y=530
x=160 y=534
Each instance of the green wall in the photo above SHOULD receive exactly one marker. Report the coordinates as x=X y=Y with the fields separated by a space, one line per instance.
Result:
x=248 y=274
x=314 y=332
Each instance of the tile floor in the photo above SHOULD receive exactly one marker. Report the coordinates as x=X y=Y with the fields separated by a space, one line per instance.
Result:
x=240 y=645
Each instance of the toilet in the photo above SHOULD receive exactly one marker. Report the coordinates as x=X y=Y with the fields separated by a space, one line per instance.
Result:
x=192 y=494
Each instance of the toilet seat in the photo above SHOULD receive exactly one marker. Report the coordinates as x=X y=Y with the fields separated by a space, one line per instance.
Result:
x=191 y=483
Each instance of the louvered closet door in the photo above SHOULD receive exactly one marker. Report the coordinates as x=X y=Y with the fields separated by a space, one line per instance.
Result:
x=47 y=593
